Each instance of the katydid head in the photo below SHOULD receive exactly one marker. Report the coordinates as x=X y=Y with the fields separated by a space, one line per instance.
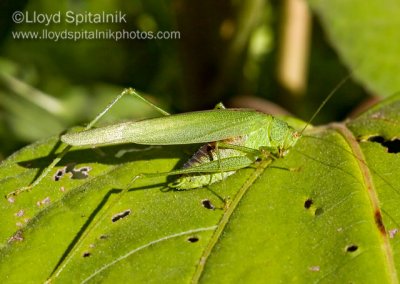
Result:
x=290 y=140
x=282 y=137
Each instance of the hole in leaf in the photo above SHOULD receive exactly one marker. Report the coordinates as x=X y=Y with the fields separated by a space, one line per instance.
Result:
x=86 y=254
x=80 y=173
x=351 y=248
x=207 y=204
x=308 y=203
x=58 y=175
x=76 y=173
x=393 y=146
x=121 y=215
x=193 y=239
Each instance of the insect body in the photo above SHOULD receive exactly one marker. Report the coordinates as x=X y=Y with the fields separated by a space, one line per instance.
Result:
x=236 y=139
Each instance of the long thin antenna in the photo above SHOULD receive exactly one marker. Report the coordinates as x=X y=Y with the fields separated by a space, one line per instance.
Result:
x=344 y=80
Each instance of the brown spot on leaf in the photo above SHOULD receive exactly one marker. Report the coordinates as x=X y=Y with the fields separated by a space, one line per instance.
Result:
x=379 y=222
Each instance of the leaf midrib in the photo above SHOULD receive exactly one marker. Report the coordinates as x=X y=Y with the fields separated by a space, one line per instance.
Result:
x=371 y=193
x=225 y=219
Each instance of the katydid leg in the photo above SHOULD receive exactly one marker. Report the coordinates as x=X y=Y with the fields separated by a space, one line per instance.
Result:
x=66 y=148
x=224 y=164
x=132 y=92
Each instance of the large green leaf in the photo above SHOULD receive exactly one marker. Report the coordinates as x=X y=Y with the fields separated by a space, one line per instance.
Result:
x=326 y=212
x=366 y=35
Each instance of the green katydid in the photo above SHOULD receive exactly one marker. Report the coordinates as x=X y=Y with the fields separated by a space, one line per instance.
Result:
x=241 y=135
x=235 y=139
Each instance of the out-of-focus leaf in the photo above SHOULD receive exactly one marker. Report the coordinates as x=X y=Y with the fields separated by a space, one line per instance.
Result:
x=366 y=35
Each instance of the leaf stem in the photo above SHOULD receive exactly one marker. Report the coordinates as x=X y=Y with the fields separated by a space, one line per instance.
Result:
x=225 y=219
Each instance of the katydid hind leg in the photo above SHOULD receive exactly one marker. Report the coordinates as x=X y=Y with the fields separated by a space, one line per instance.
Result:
x=225 y=164
x=130 y=92
x=244 y=149
x=90 y=125
x=135 y=94
x=58 y=158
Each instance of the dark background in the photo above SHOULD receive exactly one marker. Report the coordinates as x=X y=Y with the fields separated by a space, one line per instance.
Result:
x=228 y=51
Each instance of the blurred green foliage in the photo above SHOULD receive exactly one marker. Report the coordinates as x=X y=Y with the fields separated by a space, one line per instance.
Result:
x=225 y=49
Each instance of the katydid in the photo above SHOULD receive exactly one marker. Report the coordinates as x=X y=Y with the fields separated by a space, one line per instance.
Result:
x=235 y=139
